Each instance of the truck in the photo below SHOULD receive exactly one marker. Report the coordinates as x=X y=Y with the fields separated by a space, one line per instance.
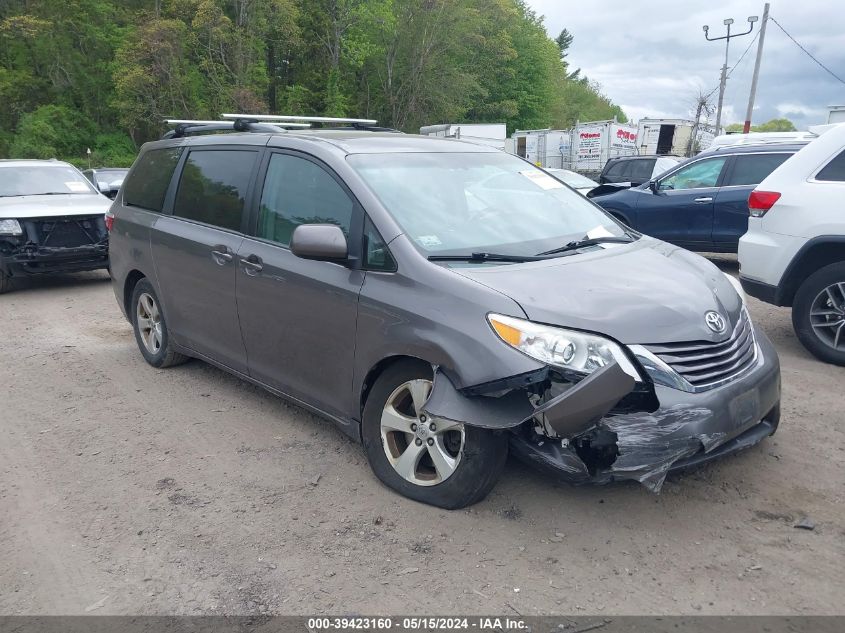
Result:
x=492 y=134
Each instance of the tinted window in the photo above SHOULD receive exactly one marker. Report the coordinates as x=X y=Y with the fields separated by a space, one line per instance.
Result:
x=213 y=187
x=752 y=169
x=297 y=191
x=641 y=170
x=151 y=178
x=834 y=170
x=376 y=255
x=616 y=171
x=698 y=175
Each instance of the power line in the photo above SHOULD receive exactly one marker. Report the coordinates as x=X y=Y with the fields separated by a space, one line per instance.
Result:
x=809 y=54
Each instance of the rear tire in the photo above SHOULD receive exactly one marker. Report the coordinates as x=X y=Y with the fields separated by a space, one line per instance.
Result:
x=151 y=331
x=451 y=466
x=818 y=313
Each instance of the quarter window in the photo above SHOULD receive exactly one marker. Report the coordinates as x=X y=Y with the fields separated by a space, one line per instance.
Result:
x=376 y=254
x=699 y=175
x=151 y=178
x=834 y=170
x=753 y=168
x=298 y=191
x=213 y=187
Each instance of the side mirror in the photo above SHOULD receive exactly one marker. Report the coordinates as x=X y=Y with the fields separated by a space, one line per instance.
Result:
x=653 y=185
x=319 y=241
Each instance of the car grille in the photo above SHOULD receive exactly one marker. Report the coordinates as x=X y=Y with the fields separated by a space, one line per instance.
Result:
x=704 y=364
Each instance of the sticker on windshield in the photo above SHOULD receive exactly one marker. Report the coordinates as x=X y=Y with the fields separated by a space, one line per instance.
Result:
x=76 y=186
x=429 y=241
x=542 y=179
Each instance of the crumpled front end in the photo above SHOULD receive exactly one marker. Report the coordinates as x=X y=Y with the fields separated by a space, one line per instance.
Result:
x=56 y=244
x=608 y=428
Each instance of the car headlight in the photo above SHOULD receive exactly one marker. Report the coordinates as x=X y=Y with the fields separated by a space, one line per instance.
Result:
x=567 y=349
x=10 y=227
x=737 y=286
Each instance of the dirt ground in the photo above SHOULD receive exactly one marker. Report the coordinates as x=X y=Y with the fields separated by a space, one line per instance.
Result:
x=130 y=490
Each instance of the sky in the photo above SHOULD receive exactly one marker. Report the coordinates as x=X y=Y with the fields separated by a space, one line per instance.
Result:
x=651 y=56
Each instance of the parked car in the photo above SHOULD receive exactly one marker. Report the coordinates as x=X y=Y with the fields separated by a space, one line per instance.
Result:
x=636 y=169
x=107 y=180
x=701 y=204
x=579 y=183
x=442 y=302
x=51 y=220
x=794 y=251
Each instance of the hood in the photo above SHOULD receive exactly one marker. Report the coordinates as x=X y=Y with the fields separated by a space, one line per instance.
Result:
x=53 y=206
x=642 y=293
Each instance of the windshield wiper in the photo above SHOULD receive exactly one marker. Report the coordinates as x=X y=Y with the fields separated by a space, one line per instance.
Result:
x=593 y=241
x=483 y=257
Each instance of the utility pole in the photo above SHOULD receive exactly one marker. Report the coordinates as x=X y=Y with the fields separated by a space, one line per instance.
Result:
x=751 y=20
x=747 y=127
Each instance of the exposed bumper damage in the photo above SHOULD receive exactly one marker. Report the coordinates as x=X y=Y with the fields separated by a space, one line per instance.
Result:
x=604 y=428
x=64 y=244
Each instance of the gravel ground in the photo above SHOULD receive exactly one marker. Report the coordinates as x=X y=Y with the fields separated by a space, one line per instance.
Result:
x=130 y=490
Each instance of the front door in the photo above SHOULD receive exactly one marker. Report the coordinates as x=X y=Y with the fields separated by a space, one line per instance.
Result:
x=681 y=210
x=194 y=252
x=298 y=316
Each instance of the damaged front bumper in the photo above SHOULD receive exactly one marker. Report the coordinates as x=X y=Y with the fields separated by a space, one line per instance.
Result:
x=599 y=437
x=56 y=245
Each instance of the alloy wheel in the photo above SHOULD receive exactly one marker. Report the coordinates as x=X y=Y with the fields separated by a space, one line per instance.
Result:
x=827 y=316
x=423 y=450
x=148 y=317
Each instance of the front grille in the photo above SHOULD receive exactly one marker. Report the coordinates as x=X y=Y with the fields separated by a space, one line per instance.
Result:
x=703 y=364
x=69 y=232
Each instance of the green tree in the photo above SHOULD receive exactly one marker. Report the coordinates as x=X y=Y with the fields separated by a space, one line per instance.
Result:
x=774 y=125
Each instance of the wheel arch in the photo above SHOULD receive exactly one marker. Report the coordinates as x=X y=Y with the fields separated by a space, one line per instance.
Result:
x=129 y=284
x=814 y=255
x=377 y=370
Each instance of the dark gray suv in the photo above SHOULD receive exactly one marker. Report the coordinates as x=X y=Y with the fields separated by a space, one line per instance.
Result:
x=442 y=302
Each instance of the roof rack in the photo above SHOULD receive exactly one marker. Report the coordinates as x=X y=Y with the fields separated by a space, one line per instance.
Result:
x=367 y=125
x=190 y=127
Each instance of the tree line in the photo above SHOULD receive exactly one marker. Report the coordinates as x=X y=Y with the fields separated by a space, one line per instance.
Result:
x=102 y=74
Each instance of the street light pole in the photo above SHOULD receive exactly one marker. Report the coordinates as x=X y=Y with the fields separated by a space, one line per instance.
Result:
x=747 y=127
x=724 y=78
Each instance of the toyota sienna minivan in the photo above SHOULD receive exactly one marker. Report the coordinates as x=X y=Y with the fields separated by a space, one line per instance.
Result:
x=443 y=302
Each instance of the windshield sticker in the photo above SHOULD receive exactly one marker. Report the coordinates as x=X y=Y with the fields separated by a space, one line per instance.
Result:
x=601 y=231
x=76 y=186
x=429 y=241
x=542 y=179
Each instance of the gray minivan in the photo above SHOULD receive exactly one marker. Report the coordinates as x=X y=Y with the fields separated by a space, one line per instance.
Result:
x=443 y=303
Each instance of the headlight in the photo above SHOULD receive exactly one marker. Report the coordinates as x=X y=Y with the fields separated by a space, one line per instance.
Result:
x=10 y=227
x=567 y=349
x=737 y=286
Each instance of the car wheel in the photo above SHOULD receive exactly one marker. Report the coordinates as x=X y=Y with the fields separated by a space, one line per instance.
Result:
x=818 y=313
x=438 y=462
x=151 y=329
x=5 y=282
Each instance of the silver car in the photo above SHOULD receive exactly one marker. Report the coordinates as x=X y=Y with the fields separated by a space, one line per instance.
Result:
x=443 y=303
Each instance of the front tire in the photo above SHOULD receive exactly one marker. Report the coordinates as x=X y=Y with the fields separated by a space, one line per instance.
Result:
x=151 y=332
x=818 y=313
x=5 y=282
x=433 y=461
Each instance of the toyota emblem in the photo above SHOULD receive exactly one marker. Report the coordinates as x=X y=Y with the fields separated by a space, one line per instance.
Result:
x=715 y=322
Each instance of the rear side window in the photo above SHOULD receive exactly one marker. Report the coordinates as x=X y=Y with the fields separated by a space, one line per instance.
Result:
x=213 y=187
x=641 y=170
x=151 y=178
x=753 y=168
x=297 y=191
x=616 y=171
x=834 y=170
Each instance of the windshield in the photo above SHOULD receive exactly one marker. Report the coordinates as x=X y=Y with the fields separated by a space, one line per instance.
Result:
x=572 y=178
x=34 y=180
x=479 y=202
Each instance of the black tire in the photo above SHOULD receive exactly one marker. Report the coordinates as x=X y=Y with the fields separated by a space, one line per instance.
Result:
x=807 y=293
x=164 y=355
x=5 y=282
x=478 y=469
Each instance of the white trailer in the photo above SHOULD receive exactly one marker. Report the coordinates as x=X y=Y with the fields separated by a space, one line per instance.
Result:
x=492 y=134
x=596 y=142
x=542 y=147
x=673 y=137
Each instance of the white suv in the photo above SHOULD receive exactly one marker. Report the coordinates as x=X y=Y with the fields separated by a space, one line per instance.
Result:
x=794 y=251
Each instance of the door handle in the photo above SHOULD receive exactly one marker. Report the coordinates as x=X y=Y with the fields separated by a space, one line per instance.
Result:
x=252 y=264
x=221 y=255
x=705 y=199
